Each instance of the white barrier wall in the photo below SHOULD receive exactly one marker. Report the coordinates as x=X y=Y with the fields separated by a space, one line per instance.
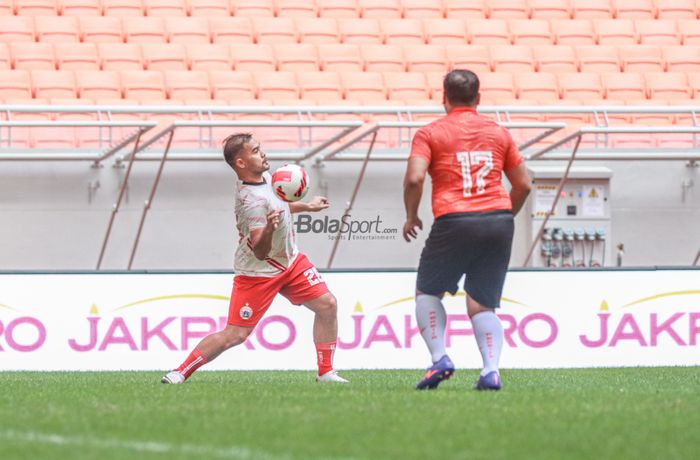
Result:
x=151 y=321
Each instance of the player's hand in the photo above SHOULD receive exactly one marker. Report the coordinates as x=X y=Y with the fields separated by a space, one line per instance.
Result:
x=409 y=228
x=273 y=219
x=318 y=203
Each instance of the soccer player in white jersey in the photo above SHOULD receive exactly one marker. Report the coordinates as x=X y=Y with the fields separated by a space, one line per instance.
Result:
x=267 y=262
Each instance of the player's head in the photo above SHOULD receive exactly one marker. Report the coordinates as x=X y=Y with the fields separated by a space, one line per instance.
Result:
x=460 y=88
x=243 y=153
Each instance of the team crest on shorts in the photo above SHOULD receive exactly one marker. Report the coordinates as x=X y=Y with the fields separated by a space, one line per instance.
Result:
x=246 y=311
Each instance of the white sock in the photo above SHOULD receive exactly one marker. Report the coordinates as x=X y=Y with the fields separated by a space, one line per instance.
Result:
x=488 y=332
x=431 y=318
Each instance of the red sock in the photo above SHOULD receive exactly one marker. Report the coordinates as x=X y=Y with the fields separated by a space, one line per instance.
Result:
x=325 y=351
x=193 y=362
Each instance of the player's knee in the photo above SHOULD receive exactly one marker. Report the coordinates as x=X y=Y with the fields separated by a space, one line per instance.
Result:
x=235 y=336
x=330 y=307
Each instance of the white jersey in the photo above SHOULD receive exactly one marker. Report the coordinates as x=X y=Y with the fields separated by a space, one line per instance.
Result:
x=253 y=203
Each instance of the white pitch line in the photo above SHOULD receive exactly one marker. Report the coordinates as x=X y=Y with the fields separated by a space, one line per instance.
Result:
x=138 y=446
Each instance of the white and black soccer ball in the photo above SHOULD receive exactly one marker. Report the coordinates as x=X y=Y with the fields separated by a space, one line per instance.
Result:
x=290 y=182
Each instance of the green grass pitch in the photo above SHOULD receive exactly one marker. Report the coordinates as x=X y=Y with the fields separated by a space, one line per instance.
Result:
x=632 y=413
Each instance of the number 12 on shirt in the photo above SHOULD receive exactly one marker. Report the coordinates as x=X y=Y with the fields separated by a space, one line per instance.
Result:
x=483 y=161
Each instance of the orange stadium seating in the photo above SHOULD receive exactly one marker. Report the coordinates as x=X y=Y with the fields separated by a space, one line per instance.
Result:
x=369 y=52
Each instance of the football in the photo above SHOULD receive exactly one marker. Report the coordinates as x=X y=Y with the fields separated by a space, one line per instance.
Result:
x=290 y=182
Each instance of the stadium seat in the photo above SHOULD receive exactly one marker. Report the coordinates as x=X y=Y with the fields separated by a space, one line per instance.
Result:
x=101 y=29
x=591 y=9
x=569 y=118
x=537 y=86
x=634 y=9
x=402 y=31
x=512 y=58
x=508 y=9
x=77 y=56
x=80 y=8
x=143 y=85
x=15 y=84
x=32 y=56
x=209 y=57
x=379 y=8
x=445 y=31
x=690 y=32
x=57 y=29
x=550 y=9
x=667 y=85
x=497 y=85
x=425 y=58
x=681 y=58
x=122 y=7
x=297 y=57
x=615 y=31
x=641 y=58
x=465 y=9
x=360 y=31
x=53 y=138
x=210 y=8
x=625 y=86
x=363 y=85
x=694 y=84
x=406 y=85
x=7 y=8
x=297 y=8
x=120 y=56
x=317 y=30
x=53 y=83
x=165 y=8
x=5 y=59
x=583 y=86
x=576 y=32
x=231 y=30
x=274 y=30
x=555 y=58
x=473 y=57
x=164 y=56
x=488 y=32
x=253 y=57
x=319 y=86
x=422 y=9
x=531 y=32
x=187 y=85
x=602 y=58
x=657 y=32
x=16 y=29
x=73 y=116
x=95 y=85
x=36 y=8
x=231 y=85
x=144 y=30
x=253 y=8
x=187 y=30
x=435 y=83
x=676 y=9
x=337 y=9
x=340 y=58
x=276 y=85
x=383 y=58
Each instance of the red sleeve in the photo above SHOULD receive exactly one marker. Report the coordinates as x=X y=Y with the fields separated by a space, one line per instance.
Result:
x=513 y=158
x=421 y=145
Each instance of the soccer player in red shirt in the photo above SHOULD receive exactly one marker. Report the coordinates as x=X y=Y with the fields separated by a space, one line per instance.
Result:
x=465 y=154
x=267 y=262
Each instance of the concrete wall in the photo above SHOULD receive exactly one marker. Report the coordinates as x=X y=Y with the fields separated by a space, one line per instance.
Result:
x=48 y=222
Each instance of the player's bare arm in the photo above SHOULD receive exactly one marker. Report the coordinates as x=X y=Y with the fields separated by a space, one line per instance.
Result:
x=315 y=204
x=412 y=193
x=261 y=238
x=521 y=183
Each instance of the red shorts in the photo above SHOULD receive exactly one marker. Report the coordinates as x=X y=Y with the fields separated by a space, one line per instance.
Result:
x=253 y=295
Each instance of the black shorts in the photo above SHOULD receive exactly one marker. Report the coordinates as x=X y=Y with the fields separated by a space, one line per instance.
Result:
x=473 y=244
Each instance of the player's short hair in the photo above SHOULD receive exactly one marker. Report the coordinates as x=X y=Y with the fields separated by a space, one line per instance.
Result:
x=461 y=87
x=233 y=145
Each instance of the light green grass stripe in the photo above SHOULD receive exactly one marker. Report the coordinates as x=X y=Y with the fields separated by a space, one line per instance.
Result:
x=137 y=446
